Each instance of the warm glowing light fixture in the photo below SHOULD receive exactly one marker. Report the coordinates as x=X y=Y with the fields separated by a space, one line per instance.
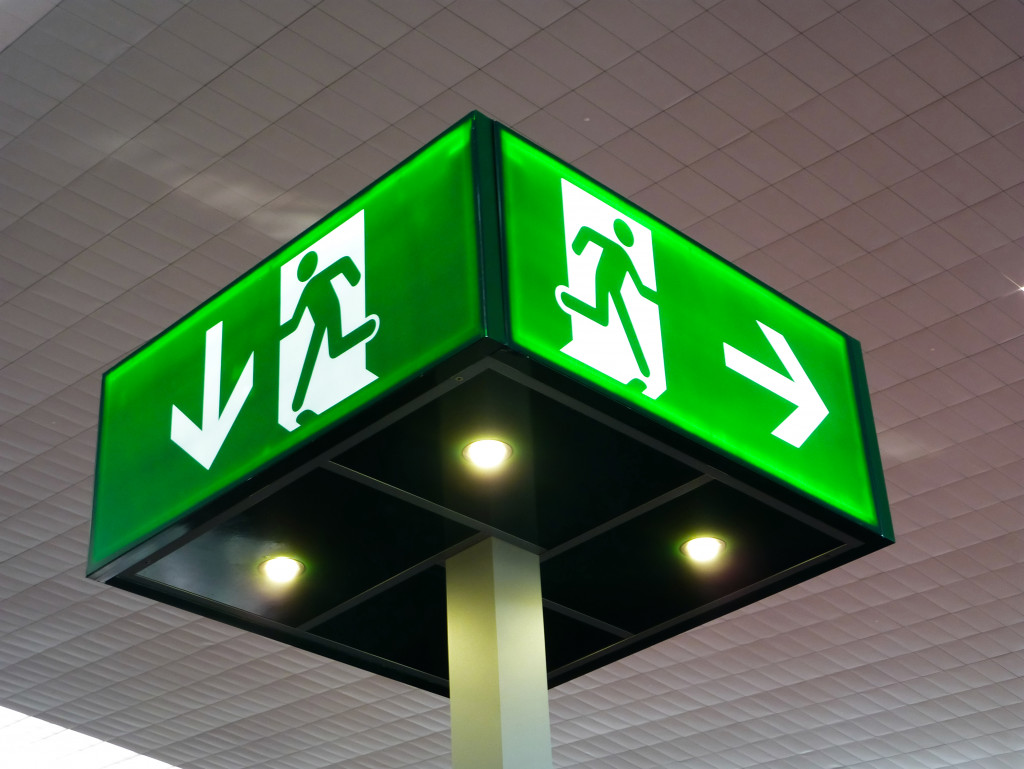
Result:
x=703 y=549
x=487 y=454
x=281 y=569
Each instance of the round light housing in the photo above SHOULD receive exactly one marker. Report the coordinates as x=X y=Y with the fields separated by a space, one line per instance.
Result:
x=703 y=549
x=281 y=569
x=487 y=454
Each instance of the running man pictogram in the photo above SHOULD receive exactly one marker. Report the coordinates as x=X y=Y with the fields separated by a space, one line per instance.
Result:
x=319 y=297
x=610 y=293
x=613 y=267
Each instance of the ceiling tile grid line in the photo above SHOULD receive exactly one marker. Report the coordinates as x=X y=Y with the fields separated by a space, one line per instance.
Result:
x=865 y=157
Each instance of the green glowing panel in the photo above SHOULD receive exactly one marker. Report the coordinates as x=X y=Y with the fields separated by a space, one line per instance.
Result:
x=365 y=299
x=613 y=296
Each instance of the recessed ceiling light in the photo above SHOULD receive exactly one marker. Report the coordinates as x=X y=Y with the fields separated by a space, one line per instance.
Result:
x=487 y=454
x=281 y=569
x=703 y=549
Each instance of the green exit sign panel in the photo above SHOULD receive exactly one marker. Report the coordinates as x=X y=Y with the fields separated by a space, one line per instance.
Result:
x=603 y=290
x=319 y=407
x=363 y=300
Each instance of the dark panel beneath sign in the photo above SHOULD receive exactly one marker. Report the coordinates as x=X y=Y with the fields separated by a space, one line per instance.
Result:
x=349 y=537
x=633 y=577
x=605 y=505
x=568 y=473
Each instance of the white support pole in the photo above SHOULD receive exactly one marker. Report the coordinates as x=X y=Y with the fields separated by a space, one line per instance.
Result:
x=496 y=665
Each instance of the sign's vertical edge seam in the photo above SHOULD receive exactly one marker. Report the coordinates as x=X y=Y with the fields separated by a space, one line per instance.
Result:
x=488 y=221
x=869 y=439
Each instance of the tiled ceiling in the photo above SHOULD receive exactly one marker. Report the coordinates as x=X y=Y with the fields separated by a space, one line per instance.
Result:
x=865 y=157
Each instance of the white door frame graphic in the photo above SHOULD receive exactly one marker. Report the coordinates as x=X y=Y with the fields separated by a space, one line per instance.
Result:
x=333 y=379
x=607 y=347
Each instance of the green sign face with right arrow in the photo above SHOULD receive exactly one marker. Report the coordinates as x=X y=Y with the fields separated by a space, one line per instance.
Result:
x=607 y=292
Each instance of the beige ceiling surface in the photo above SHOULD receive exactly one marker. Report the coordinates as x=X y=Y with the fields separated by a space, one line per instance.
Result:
x=865 y=157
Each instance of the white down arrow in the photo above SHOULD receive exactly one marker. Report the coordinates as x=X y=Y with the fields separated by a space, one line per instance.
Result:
x=202 y=442
x=797 y=388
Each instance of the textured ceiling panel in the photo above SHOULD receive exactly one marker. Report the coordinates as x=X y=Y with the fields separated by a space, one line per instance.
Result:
x=866 y=157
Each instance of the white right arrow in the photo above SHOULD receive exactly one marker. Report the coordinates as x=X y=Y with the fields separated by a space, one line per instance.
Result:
x=202 y=442
x=797 y=388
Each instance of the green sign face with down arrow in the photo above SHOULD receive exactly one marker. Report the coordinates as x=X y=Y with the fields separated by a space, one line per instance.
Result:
x=607 y=292
x=361 y=301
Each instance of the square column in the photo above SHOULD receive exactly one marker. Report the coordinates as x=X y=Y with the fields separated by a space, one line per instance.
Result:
x=496 y=662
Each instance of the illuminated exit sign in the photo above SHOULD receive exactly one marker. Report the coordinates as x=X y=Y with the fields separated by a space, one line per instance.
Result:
x=650 y=391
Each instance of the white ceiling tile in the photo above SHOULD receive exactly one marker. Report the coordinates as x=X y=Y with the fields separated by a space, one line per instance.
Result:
x=618 y=100
x=684 y=62
x=340 y=112
x=1008 y=217
x=697 y=191
x=812 y=193
x=934 y=63
x=860 y=227
x=914 y=143
x=378 y=88
x=940 y=246
x=932 y=15
x=711 y=123
x=673 y=137
x=431 y=58
x=840 y=173
x=212 y=105
x=885 y=23
x=558 y=59
x=829 y=122
x=894 y=212
x=987 y=107
x=963 y=180
x=834 y=246
x=367 y=19
x=496 y=19
x=243 y=20
x=801 y=14
x=922 y=192
x=462 y=38
x=651 y=81
x=449 y=107
x=1003 y=18
x=652 y=162
x=489 y=95
x=526 y=79
x=761 y=157
x=584 y=116
x=749 y=225
x=769 y=270
x=721 y=241
x=718 y=41
x=756 y=22
x=777 y=207
x=975 y=45
x=847 y=43
x=554 y=135
x=741 y=102
x=775 y=83
x=950 y=125
x=863 y=104
x=657 y=200
x=608 y=169
x=319 y=47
